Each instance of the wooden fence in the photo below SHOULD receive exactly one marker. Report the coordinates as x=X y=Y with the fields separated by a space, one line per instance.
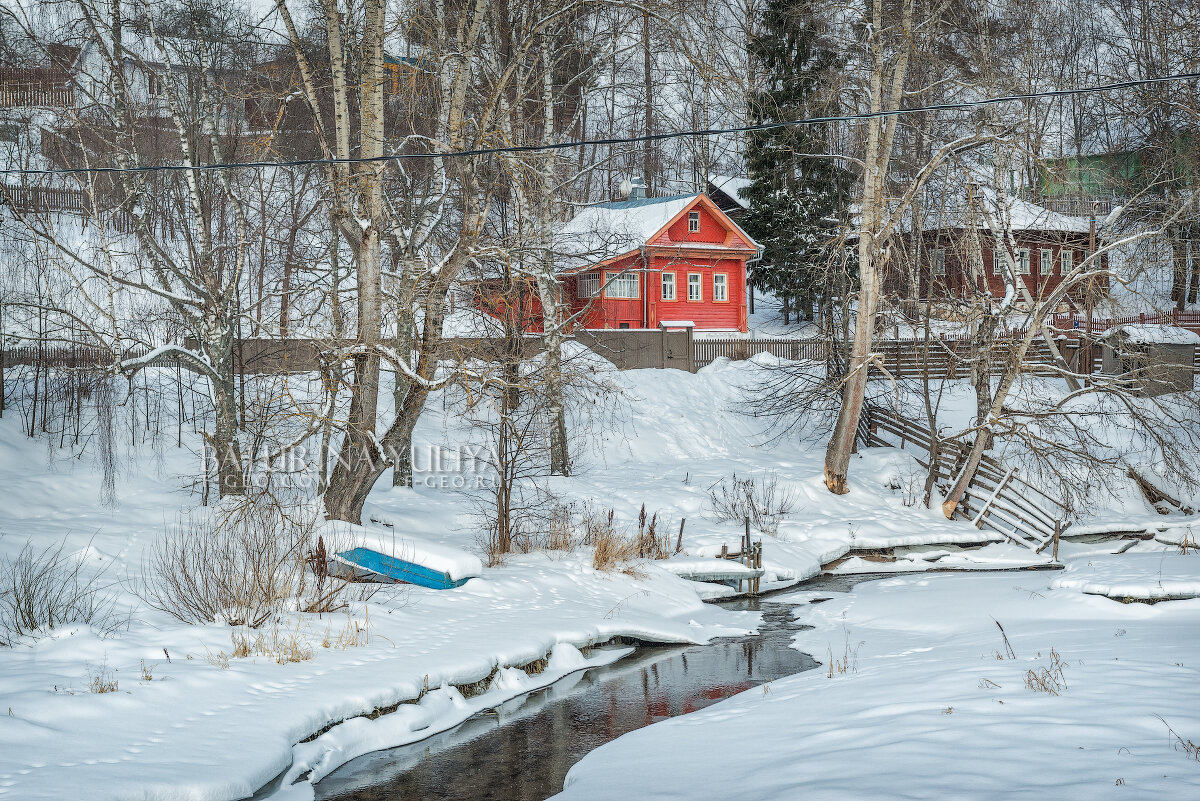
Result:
x=58 y=199
x=998 y=498
x=708 y=350
x=904 y=358
x=36 y=86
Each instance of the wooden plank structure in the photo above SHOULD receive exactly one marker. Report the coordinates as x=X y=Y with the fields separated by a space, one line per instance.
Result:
x=997 y=498
x=751 y=556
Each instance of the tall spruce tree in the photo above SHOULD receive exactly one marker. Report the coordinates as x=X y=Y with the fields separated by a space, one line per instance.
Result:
x=798 y=202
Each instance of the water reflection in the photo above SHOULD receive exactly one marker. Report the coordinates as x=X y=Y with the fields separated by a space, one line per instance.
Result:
x=523 y=750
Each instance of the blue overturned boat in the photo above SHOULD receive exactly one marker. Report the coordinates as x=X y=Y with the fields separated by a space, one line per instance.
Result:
x=372 y=565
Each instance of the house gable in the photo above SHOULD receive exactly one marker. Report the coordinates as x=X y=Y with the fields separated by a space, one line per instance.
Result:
x=716 y=228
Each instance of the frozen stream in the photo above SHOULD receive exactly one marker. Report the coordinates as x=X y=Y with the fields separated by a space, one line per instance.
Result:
x=523 y=750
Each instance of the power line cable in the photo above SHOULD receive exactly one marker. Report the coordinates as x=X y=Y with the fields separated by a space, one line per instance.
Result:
x=619 y=140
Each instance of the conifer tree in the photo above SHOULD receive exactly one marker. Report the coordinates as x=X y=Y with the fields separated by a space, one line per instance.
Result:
x=799 y=196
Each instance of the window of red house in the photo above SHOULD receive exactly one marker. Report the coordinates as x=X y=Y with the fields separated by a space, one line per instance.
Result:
x=668 y=286
x=587 y=286
x=1046 y=267
x=693 y=221
x=694 y=291
x=720 y=287
x=1068 y=261
x=1023 y=261
x=623 y=286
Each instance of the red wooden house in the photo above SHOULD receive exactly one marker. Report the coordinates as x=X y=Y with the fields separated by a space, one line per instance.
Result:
x=643 y=262
x=1046 y=246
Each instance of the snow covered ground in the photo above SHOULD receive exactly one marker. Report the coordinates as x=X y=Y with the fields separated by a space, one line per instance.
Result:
x=922 y=695
x=189 y=720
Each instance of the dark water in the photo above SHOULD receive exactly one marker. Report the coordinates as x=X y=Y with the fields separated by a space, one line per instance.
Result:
x=523 y=750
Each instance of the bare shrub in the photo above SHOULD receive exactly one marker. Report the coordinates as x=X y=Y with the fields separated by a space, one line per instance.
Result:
x=242 y=568
x=739 y=352
x=1048 y=679
x=43 y=590
x=760 y=499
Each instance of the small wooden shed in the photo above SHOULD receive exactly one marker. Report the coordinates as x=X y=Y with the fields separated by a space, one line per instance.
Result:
x=1159 y=359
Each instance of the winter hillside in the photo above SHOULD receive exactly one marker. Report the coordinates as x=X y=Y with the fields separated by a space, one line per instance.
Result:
x=191 y=716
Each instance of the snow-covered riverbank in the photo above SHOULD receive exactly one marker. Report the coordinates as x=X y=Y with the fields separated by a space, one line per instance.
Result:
x=930 y=698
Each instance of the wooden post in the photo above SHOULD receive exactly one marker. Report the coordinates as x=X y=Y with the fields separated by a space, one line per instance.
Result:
x=679 y=542
x=1057 y=532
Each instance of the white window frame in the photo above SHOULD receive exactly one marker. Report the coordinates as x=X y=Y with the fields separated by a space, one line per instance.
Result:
x=698 y=283
x=724 y=284
x=587 y=285
x=1023 y=257
x=997 y=262
x=1046 y=262
x=1066 y=261
x=939 y=261
x=693 y=222
x=668 y=282
x=619 y=286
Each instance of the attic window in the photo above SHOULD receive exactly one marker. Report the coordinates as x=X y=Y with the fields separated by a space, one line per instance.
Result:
x=693 y=221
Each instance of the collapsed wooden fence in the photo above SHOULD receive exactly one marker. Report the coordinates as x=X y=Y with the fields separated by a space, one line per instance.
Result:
x=998 y=498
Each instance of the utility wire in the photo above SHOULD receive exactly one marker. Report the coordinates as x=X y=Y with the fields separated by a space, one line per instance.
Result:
x=621 y=140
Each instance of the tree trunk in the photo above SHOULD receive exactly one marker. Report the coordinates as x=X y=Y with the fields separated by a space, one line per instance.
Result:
x=556 y=411
x=877 y=157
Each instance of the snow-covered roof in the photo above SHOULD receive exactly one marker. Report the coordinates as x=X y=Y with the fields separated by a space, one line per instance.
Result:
x=732 y=186
x=1017 y=214
x=608 y=230
x=1025 y=216
x=1153 y=334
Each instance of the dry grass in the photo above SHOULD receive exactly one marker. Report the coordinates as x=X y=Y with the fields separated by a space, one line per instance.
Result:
x=1188 y=543
x=1048 y=679
x=1179 y=742
x=613 y=550
x=283 y=645
x=649 y=543
x=847 y=662
x=352 y=635
x=102 y=678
